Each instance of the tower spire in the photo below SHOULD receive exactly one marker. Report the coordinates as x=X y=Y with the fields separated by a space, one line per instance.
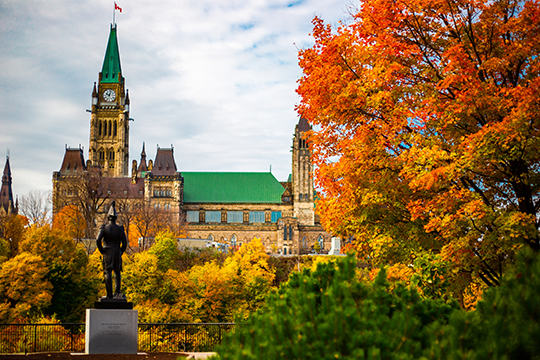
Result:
x=111 y=72
x=6 y=193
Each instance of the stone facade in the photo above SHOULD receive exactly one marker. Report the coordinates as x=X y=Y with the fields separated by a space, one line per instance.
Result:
x=215 y=206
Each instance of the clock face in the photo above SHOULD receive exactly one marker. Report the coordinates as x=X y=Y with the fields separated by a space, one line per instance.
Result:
x=109 y=95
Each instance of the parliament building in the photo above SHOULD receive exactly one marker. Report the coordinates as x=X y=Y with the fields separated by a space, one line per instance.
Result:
x=226 y=207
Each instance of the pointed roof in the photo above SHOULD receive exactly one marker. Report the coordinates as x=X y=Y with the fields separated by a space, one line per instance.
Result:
x=303 y=125
x=164 y=163
x=6 y=193
x=73 y=162
x=111 y=64
x=143 y=168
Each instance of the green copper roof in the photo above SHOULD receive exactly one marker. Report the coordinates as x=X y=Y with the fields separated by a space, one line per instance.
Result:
x=111 y=63
x=231 y=187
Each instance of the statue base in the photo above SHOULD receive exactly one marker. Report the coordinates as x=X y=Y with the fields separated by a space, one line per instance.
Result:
x=111 y=331
x=117 y=302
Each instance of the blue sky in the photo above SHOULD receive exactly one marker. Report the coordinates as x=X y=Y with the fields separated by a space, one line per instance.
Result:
x=215 y=79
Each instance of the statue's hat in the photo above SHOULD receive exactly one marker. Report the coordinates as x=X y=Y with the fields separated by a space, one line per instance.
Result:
x=112 y=211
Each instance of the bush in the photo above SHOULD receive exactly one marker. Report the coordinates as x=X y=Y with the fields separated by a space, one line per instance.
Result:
x=329 y=313
x=505 y=324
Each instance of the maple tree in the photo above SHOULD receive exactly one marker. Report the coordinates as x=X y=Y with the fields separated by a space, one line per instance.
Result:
x=70 y=222
x=426 y=130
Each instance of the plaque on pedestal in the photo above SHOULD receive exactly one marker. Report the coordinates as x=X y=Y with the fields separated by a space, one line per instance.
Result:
x=111 y=331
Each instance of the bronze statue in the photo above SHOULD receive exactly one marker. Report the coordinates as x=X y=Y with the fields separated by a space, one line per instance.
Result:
x=112 y=243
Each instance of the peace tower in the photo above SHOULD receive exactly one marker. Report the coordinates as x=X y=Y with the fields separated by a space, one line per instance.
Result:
x=109 y=124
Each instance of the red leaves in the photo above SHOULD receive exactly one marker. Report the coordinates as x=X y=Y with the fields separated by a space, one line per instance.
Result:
x=427 y=124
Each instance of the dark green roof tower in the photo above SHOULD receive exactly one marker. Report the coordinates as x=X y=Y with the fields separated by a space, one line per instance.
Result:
x=109 y=125
x=111 y=72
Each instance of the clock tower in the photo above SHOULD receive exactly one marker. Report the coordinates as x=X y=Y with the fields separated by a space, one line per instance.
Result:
x=109 y=123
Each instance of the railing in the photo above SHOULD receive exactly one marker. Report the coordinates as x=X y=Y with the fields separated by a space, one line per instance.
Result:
x=181 y=337
x=27 y=338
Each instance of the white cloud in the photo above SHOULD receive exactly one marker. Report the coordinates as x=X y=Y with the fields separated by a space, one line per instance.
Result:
x=215 y=79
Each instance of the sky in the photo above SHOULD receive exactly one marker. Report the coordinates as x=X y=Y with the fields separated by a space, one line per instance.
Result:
x=214 y=79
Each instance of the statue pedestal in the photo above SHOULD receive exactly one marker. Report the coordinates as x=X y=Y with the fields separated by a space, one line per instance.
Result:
x=111 y=331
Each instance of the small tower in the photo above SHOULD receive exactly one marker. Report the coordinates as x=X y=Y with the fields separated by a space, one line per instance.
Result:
x=302 y=180
x=109 y=123
x=6 y=193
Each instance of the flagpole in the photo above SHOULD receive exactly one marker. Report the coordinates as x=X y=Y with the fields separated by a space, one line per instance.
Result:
x=113 y=14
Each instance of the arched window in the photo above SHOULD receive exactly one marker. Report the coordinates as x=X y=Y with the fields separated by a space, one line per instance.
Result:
x=100 y=124
x=233 y=240
x=101 y=155
x=115 y=128
x=320 y=240
x=285 y=232
x=110 y=128
x=290 y=232
x=211 y=237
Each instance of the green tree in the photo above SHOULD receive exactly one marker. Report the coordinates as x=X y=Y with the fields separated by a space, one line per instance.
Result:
x=166 y=250
x=505 y=324
x=330 y=314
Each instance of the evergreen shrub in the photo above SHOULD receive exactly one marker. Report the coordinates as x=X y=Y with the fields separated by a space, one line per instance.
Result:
x=330 y=314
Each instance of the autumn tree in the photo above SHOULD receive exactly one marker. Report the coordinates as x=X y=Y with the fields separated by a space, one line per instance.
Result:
x=70 y=222
x=12 y=229
x=427 y=129
x=149 y=220
x=74 y=287
x=24 y=289
x=90 y=192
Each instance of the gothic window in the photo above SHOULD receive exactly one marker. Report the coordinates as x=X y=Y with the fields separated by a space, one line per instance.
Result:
x=110 y=128
x=233 y=240
x=320 y=240
x=115 y=128
x=211 y=237
x=101 y=155
x=111 y=154
x=100 y=128
x=290 y=232
x=285 y=232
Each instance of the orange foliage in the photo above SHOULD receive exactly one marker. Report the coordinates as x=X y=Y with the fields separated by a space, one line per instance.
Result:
x=426 y=130
x=70 y=222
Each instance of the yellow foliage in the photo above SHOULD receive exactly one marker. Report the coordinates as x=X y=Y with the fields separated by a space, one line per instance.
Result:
x=24 y=291
x=250 y=262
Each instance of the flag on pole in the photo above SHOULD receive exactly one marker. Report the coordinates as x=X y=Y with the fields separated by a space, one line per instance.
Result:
x=116 y=7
